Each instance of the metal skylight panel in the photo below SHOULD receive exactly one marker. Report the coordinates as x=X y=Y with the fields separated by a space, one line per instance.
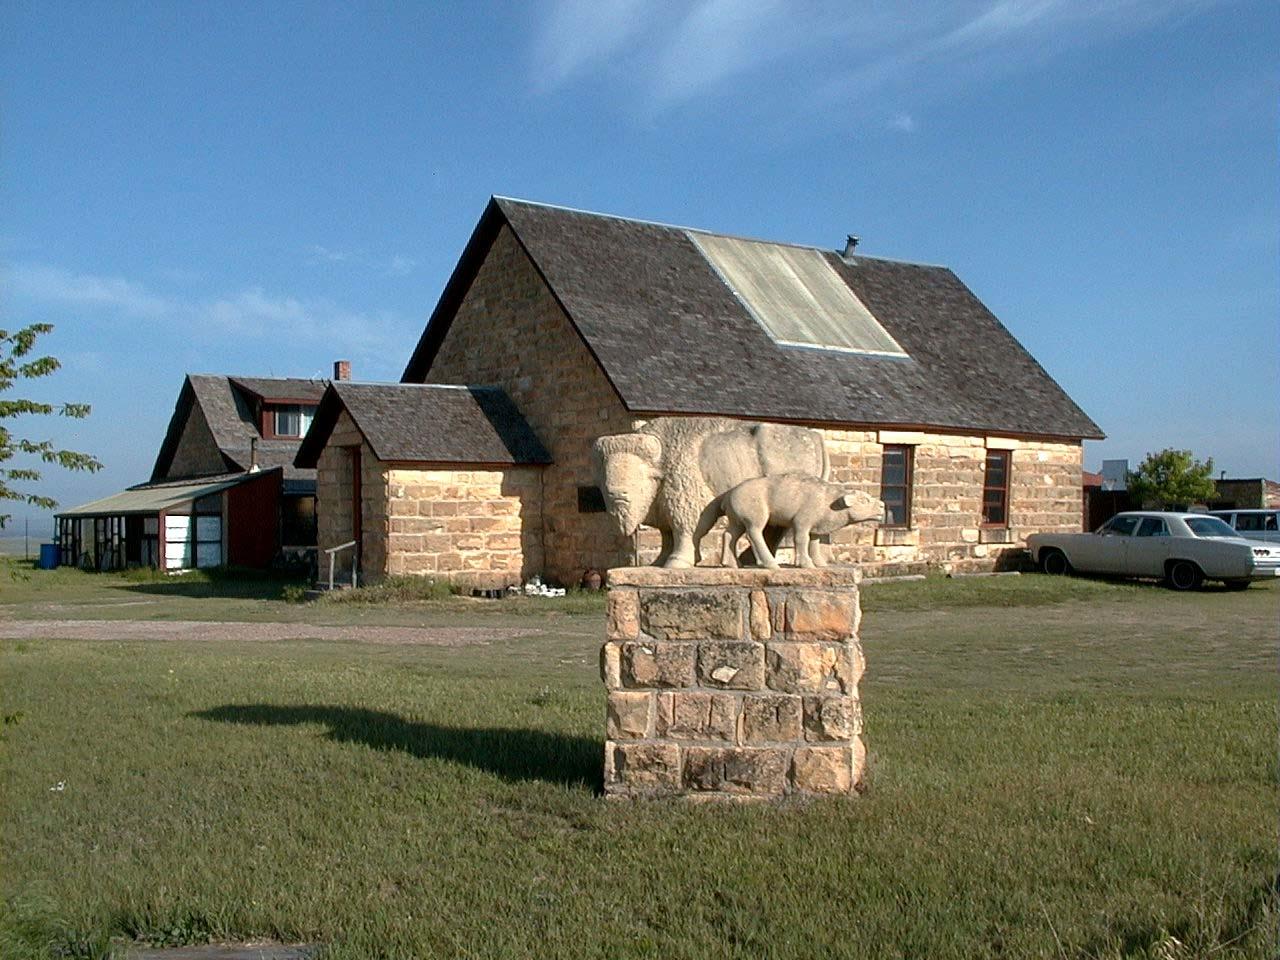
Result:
x=796 y=295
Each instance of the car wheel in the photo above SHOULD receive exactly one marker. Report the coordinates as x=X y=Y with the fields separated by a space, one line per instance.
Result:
x=1238 y=584
x=1184 y=575
x=1054 y=563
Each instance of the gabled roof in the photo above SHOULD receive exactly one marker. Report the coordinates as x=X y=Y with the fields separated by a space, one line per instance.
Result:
x=227 y=405
x=672 y=337
x=426 y=423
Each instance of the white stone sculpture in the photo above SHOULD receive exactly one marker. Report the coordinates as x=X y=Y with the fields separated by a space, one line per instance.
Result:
x=807 y=506
x=671 y=473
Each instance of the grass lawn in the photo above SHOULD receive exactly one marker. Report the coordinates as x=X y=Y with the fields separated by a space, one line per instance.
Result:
x=1060 y=768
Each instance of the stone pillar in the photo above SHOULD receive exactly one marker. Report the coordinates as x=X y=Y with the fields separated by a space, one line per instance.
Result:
x=732 y=683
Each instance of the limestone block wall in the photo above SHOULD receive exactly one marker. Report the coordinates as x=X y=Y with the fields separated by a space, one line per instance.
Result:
x=334 y=519
x=1045 y=495
x=946 y=529
x=479 y=525
x=510 y=331
x=732 y=683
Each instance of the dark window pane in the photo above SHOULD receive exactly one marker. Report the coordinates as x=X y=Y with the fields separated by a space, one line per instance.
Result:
x=993 y=513
x=590 y=500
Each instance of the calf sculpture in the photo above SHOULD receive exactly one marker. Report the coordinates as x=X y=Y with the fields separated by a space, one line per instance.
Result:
x=809 y=507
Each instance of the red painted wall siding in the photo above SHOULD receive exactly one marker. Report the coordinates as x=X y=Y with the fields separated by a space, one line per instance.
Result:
x=253 y=521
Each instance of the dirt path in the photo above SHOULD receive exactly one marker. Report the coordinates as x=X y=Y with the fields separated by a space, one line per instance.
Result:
x=215 y=631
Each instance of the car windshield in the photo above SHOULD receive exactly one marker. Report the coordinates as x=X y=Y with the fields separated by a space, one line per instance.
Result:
x=1209 y=527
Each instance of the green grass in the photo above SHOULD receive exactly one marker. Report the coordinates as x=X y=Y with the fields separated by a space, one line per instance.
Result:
x=1088 y=777
x=65 y=594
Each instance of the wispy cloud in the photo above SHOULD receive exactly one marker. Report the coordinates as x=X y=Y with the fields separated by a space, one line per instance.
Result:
x=903 y=122
x=321 y=254
x=394 y=266
x=578 y=34
x=55 y=285
x=401 y=266
x=251 y=313
x=681 y=51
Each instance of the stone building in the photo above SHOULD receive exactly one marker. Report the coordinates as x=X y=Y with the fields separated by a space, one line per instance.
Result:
x=590 y=325
x=428 y=479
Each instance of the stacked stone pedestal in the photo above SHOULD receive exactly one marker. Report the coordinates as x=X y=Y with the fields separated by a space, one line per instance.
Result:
x=734 y=683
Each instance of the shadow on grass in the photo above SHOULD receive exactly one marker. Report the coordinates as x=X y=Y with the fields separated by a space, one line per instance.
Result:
x=222 y=588
x=512 y=754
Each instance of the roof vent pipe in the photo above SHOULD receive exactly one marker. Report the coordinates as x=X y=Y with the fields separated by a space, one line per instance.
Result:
x=849 y=243
x=253 y=455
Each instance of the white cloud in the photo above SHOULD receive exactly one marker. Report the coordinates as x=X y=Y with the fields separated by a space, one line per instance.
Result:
x=801 y=56
x=395 y=266
x=577 y=34
x=401 y=266
x=717 y=40
x=321 y=254
x=903 y=122
x=248 y=314
x=56 y=285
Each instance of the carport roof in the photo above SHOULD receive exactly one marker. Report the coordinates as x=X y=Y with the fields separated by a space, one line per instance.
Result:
x=149 y=498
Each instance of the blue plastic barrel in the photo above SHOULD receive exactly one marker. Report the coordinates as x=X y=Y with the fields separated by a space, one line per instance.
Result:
x=48 y=556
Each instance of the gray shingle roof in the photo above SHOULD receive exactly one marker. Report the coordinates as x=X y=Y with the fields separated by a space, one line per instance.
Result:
x=283 y=388
x=427 y=423
x=226 y=405
x=673 y=338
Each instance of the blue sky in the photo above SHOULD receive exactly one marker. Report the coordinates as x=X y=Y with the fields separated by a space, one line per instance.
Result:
x=261 y=189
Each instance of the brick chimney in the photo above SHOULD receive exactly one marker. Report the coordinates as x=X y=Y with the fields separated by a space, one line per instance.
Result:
x=342 y=369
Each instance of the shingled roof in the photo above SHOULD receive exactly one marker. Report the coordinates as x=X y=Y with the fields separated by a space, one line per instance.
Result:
x=225 y=403
x=672 y=337
x=426 y=424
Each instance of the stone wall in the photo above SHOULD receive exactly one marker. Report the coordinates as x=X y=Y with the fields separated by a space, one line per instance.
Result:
x=334 y=521
x=946 y=530
x=476 y=525
x=196 y=453
x=732 y=683
x=479 y=525
x=510 y=331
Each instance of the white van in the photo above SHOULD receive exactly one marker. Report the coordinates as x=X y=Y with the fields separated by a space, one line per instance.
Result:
x=1253 y=524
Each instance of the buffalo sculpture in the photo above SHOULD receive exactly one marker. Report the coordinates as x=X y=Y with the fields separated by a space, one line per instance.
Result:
x=671 y=473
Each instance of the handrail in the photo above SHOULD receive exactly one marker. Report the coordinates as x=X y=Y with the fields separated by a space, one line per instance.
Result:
x=333 y=552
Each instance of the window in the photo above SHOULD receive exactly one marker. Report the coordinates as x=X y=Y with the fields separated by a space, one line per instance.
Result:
x=298 y=521
x=895 y=485
x=1152 y=527
x=995 y=489
x=1120 y=526
x=291 y=421
x=590 y=500
x=1210 y=527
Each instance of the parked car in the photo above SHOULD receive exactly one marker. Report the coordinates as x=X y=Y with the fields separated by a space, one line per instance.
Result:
x=1184 y=549
x=1261 y=525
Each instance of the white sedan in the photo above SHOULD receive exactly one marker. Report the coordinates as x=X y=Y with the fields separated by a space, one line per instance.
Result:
x=1184 y=549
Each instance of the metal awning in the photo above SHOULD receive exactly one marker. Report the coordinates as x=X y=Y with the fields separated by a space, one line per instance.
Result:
x=153 y=498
